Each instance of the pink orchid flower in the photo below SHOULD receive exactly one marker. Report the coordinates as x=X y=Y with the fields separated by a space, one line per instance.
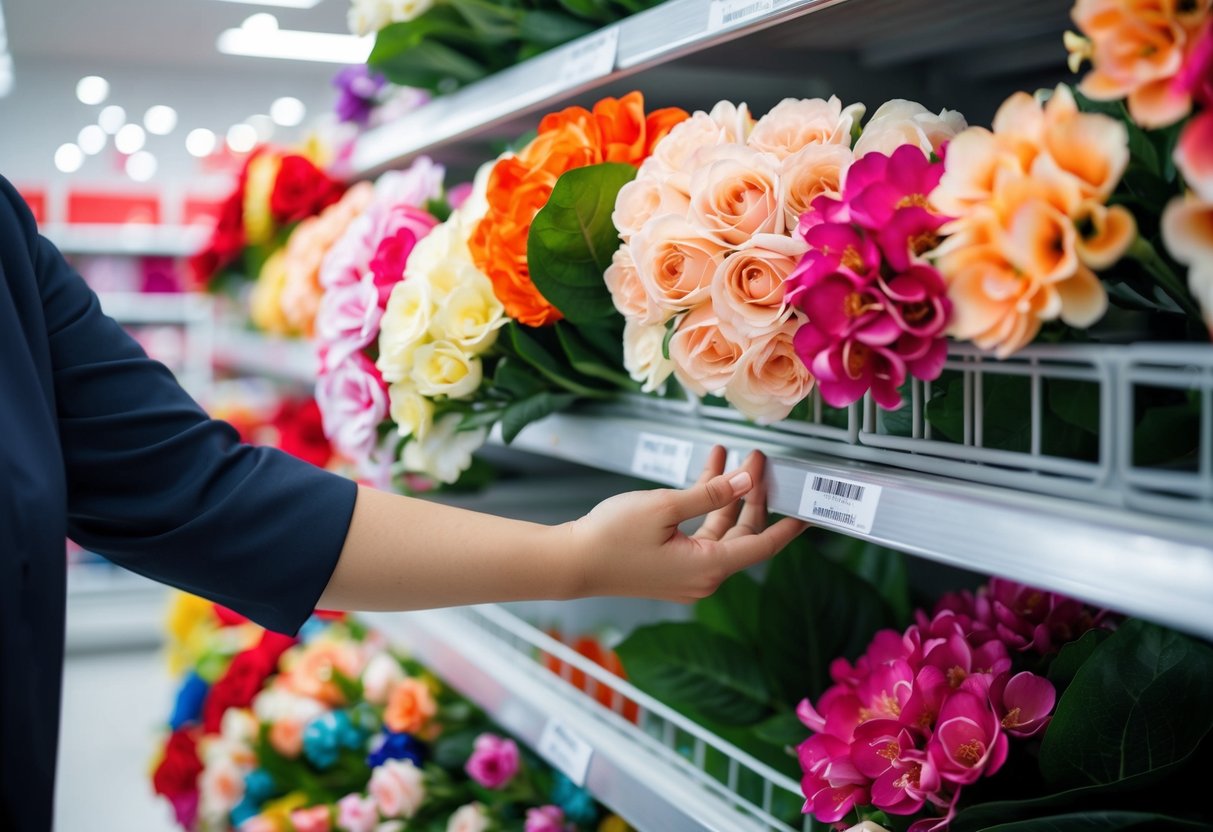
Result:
x=903 y=775
x=847 y=368
x=921 y=710
x=831 y=784
x=968 y=741
x=1024 y=702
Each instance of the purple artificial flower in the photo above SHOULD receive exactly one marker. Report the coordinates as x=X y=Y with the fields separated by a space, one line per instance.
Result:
x=357 y=89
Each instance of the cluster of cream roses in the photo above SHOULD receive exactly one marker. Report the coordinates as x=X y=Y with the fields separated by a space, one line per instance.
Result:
x=439 y=322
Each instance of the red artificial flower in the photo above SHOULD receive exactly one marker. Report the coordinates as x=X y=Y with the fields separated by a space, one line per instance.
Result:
x=301 y=432
x=178 y=772
x=228 y=617
x=237 y=686
x=227 y=239
x=301 y=190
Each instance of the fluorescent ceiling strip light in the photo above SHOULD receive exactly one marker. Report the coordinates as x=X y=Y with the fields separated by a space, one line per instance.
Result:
x=292 y=45
x=282 y=4
x=6 y=60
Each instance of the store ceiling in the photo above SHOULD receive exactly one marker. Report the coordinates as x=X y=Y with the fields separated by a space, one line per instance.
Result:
x=178 y=34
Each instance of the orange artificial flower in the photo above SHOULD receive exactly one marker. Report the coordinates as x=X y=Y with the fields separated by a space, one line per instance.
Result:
x=311 y=671
x=616 y=130
x=1136 y=47
x=410 y=705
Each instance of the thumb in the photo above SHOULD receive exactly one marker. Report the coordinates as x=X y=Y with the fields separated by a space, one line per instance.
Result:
x=708 y=496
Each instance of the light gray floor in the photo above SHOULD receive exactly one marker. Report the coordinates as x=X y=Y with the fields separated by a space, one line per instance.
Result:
x=113 y=707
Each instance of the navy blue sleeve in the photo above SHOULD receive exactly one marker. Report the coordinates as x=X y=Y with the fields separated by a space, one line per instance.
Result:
x=163 y=490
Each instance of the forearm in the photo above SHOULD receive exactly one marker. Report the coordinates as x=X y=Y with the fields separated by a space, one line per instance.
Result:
x=402 y=554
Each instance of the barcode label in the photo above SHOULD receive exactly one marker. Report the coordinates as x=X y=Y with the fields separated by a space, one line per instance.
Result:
x=838 y=502
x=662 y=459
x=566 y=751
x=723 y=13
x=589 y=57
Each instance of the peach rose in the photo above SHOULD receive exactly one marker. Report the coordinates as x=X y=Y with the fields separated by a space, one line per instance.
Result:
x=410 y=706
x=734 y=119
x=310 y=672
x=646 y=196
x=286 y=737
x=1136 y=48
x=469 y=818
x=675 y=262
x=643 y=355
x=735 y=194
x=899 y=122
x=795 y=123
x=398 y=788
x=770 y=378
x=671 y=159
x=704 y=357
x=623 y=282
x=817 y=170
x=1187 y=230
x=220 y=787
x=747 y=289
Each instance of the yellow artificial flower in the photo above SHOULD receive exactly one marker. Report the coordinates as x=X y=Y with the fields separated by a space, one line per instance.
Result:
x=441 y=368
x=412 y=412
x=471 y=314
x=190 y=619
x=614 y=823
x=265 y=302
x=259 y=185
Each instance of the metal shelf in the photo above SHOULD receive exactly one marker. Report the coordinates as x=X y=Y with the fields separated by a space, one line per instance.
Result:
x=130 y=240
x=1157 y=568
x=148 y=308
x=661 y=772
x=109 y=608
x=255 y=353
x=802 y=41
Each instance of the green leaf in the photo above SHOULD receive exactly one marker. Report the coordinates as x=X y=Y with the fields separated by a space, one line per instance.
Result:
x=1166 y=434
x=885 y=570
x=697 y=670
x=813 y=611
x=1143 y=700
x=1073 y=656
x=475 y=419
x=587 y=9
x=514 y=377
x=429 y=50
x=572 y=240
x=491 y=22
x=782 y=729
x=1142 y=149
x=670 y=328
x=586 y=360
x=520 y=414
x=550 y=28
x=535 y=354
x=733 y=609
x=1075 y=402
x=1101 y=822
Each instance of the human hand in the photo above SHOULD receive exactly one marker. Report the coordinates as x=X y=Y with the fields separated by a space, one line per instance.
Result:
x=631 y=545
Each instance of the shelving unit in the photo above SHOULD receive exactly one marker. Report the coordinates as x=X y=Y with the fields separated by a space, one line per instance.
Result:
x=132 y=240
x=254 y=353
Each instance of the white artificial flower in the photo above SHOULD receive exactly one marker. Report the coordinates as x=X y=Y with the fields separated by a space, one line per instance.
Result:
x=441 y=368
x=469 y=818
x=380 y=674
x=276 y=703
x=238 y=725
x=412 y=412
x=470 y=315
x=643 y=355
x=446 y=452
x=402 y=11
x=366 y=17
x=403 y=328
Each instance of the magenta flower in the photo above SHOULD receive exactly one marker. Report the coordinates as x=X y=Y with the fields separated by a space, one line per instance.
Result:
x=968 y=741
x=388 y=262
x=494 y=761
x=1196 y=77
x=878 y=186
x=1031 y=619
x=959 y=659
x=353 y=401
x=831 y=784
x=904 y=777
x=846 y=369
x=545 y=819
x=1023 y=702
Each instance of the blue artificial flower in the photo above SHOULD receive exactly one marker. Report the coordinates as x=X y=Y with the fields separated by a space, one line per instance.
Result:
x=190 y=696
x=578 y=804
x=259 y=786
x=349 y=735
x=393 y=746
x=314 y=626
x=244 y=810
x=320 y=741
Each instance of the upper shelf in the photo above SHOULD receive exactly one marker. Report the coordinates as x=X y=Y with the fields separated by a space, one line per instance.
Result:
x=284 y=359
x=753 y=50
x=132 y=240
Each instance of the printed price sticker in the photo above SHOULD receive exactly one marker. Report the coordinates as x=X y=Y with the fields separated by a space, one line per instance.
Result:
x=725 y=13
x=833 y=501
x=590 y=57
x=662 y=458
x=566 y=751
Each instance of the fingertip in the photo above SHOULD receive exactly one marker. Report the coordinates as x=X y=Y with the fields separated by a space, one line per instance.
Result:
x=741 y=482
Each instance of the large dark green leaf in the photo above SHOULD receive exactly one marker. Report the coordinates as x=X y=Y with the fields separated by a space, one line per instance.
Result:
x=782 y=729
x=813 y=611
x=885 y=570
x=520 y=414
x=491 y=22
x=429 y=65
x=587 y=361
x=572 y=240
x=515 y=377
x=733 y=609
x=697 y=671
x=531 y=351
x=1073 y=656
x=1143 y=700
x=549 y=28
x=1166 y=434
x=1075 y=402
x=1101 y=822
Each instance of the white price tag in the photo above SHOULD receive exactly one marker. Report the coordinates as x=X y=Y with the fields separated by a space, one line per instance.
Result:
x=566 y=751
x=833 y=501
x=662 y=458
x=725 y=13
x=590 y=57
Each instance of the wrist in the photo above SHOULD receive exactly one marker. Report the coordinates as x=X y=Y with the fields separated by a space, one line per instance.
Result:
x=566 y=557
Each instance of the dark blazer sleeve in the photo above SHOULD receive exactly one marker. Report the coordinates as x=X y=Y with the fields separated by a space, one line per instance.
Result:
x=158 y=487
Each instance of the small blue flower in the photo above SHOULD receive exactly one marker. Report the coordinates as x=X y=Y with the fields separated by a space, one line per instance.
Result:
x=393 y=746
x=348 y=735
x=259 y=785
x=190 y=696
x=313 y=627
x=578 y=804
x=320 y=741
x=244 y=810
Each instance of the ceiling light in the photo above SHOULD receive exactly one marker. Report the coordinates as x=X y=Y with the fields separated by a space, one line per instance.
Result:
x=141 y=166
x=261 y=23
x=69 y=158
x=288 y=111
x=130 y=139
x=112 y=118
x=92 y=89
x=241 y=138
x=92 y=140
x=200 y=142
x=293 y=45
x=285 y=4
x=160 y=120
x=263 y=125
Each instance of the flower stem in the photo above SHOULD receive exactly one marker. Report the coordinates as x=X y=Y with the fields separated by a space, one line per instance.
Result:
x=1143 y=251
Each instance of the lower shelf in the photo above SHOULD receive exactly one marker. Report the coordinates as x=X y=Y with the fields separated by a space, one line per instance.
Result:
x=660 y=772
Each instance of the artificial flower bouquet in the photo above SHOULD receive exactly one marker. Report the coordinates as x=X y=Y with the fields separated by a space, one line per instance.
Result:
x=335 y=732
x=441 y=45
x=1008 y=708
